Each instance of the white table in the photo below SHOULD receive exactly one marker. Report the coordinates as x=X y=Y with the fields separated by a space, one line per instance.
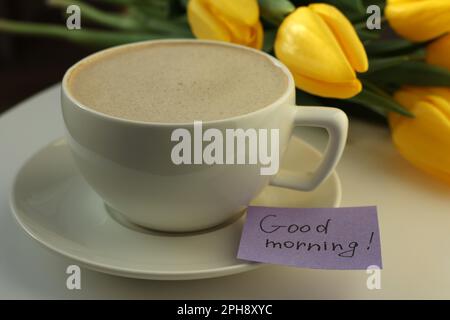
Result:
x=414 y=215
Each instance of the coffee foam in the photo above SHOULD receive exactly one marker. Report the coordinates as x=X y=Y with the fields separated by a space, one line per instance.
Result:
x=177 y=82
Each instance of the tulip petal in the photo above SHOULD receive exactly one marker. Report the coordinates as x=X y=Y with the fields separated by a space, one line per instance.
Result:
x=241 y=11
x=258 y=38
x=443 y=92
x=419 y=20
x=209 y=20
x=343 y=90
x=345 y=34
x=438 y=52
x=203 y=24
x=306 y=45
x=251 y=36
x=425 y=140
x=440 y=104
x=407 y=97
x=240 y=33
x=438 y=97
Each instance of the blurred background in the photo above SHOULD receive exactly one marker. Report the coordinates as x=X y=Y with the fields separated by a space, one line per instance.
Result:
x=30 y=64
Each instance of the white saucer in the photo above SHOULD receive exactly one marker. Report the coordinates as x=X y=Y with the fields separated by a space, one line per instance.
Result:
x=55 y=206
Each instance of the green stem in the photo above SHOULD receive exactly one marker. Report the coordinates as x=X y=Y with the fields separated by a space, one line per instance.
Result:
x=124 y=22
x=391 y=47
x=379 y=103
x=274 y=11
x=412 y=72
x=174 y=26
x=376 y=64
x=368 y=34
x=83 y=36
x=418 y=55
x=360 y=25
x=376 y=89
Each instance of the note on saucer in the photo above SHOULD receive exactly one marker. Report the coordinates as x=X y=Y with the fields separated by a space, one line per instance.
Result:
x=318 y=238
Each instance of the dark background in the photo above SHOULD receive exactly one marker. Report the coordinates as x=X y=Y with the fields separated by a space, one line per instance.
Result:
x=30 y=64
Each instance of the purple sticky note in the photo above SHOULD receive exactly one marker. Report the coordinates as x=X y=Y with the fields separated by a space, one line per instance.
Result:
x=319 y=238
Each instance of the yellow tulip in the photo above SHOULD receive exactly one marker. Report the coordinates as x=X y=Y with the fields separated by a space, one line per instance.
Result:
x=419 y=20
x=322 y=50
x=424 y=140
x=235 y=21
x=438 y=52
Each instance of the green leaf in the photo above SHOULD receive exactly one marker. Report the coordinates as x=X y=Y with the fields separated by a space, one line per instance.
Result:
x=349 y=6
x=274 y=11
x=135 y=19
x=160 y=8
x=354 y=10
x=390 y=47
x=269 y=39
x=374 y=108
x=383 y=63
x=375 y=89
x=152 y=8
x=379 y=103
x=365 y=34
x=175 y=25
x=411 y=73
x=380 y=3
x=86 y=36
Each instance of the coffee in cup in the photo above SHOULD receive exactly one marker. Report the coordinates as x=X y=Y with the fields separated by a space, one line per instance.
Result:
x=121 y=107
x=177 y=82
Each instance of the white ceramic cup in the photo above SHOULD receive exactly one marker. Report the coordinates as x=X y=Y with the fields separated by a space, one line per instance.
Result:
x=128 y=163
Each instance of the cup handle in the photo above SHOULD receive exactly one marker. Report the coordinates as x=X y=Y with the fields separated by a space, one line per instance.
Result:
x=336 y=123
